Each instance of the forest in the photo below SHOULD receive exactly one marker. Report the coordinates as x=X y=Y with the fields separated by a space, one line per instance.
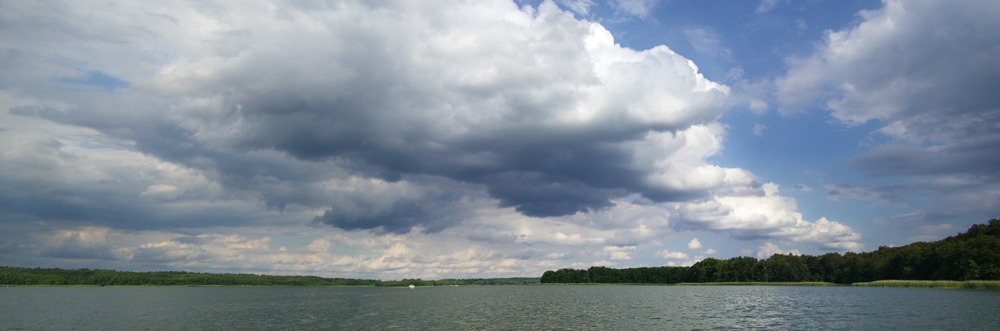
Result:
x=972 y=255
x=86 y=277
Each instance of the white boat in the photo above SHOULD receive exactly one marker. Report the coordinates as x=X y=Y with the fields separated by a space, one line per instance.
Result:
x=411 y=286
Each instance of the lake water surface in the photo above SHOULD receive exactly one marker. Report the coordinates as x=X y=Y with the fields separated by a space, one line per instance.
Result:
x=565 y=307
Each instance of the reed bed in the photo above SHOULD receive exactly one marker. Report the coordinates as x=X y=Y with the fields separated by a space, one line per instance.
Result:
x=972 y=284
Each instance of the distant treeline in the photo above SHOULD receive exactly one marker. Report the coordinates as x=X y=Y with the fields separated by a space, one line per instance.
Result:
x=973 y=255
x=38 y=276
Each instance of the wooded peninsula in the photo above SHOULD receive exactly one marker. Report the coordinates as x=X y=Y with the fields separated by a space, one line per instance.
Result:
x=970 y=256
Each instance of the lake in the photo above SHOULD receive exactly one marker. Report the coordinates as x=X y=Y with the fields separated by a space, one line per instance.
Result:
x=560 y=307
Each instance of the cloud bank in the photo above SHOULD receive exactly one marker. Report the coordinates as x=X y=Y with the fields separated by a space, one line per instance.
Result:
x=522 y=131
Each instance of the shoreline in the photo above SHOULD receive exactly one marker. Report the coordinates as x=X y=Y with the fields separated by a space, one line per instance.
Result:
x=942 y=284
x=762 y=284
x=948 y=284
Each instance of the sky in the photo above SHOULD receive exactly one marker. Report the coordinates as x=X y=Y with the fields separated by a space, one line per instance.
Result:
x=391 y=139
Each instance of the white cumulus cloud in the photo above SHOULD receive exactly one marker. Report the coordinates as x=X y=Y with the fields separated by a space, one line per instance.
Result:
x=694 y=244
x=671 y=255
x=768 y=249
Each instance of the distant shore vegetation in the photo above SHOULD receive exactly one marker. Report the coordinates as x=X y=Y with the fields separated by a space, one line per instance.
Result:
x=83 y=277
x=967 y=260
x=971 y=284
x=86 y=277
x=967 y=257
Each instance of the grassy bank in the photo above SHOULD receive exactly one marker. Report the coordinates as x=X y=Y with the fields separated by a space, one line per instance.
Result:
x=761 y=284
x=972 y=284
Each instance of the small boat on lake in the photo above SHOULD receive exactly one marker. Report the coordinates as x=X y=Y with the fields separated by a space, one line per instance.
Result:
x=411 y=286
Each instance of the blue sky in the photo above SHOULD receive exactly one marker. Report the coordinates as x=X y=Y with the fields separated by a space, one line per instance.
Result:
x=492 y=138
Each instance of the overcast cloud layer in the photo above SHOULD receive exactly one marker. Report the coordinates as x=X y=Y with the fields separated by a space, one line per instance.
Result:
x=438 y=139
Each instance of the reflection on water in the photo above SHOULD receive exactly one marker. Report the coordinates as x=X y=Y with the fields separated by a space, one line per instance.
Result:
x=497 y=308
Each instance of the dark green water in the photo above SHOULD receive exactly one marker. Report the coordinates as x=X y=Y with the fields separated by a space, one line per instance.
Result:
x=497 y=308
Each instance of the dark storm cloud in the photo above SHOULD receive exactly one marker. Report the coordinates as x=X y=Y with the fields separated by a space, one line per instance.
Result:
x=529 y=109
x=967 y=157
x=534 y=195
x=961 y=144
x=104 y=206
x=67 y=180
x=884 y=196
x=434 y=211
x=77 y=252
x=540 y=172
x=502 y=117
x=374 y=129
